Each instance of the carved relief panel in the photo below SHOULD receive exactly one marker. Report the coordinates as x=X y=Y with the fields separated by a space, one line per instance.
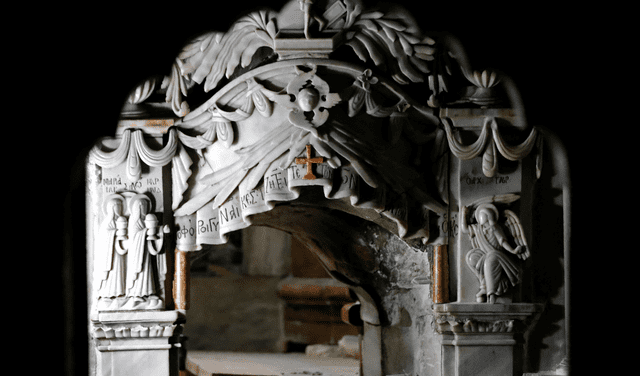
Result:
x=129 y=253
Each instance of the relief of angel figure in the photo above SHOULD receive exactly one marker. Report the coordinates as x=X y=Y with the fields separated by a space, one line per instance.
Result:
x=146 y=263
x=110 y=254
x=494 y=268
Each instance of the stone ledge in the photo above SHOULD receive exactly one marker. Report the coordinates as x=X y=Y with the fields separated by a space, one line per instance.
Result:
x=132 y=317
x=474 y=117
x=514 y=310
x=484 y=318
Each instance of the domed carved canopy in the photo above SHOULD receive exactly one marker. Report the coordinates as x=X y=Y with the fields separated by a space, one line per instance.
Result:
x=382 y=148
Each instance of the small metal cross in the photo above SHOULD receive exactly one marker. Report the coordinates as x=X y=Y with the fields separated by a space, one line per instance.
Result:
x=309 y=161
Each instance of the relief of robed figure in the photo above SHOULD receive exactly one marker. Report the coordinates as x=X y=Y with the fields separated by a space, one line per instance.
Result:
x=146 y=262
x=111 y=254
x=495 y=269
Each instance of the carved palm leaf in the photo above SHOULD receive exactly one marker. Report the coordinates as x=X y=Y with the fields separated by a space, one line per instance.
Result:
x=223 y=55
x=392 y=44
x=215 y=55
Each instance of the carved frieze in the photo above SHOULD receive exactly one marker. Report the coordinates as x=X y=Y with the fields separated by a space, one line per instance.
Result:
x=459 y=318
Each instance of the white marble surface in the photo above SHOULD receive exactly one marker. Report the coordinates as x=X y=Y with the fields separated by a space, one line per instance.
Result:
x=229 y=363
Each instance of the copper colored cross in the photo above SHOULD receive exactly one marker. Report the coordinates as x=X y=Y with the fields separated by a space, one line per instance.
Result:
x=309 y=161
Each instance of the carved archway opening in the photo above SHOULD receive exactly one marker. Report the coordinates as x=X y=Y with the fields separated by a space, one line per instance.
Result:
x=373 y=179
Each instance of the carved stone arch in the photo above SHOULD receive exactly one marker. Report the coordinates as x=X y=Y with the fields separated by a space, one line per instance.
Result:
x=497 y=146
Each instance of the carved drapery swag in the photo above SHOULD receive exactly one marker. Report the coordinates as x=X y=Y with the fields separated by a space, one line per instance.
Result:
x=133 y=150
x=264 y=172
x=487 y=143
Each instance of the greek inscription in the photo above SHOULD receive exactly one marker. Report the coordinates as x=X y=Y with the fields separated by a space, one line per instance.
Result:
x=185 y=231
x=251 y=198
x=476 y=180
x=210 y=226
x=229 y=214
x=116 y=184
x=295 y=172
x=112 y=181
x=326 y=171
x=275 y=181
x=449 y=226
x=349 y=180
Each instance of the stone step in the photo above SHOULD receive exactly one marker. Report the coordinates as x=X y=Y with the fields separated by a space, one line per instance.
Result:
x=205 y=363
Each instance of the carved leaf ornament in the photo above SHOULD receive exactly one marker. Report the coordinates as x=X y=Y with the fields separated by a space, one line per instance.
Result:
x=388 y=41
x=214 y=56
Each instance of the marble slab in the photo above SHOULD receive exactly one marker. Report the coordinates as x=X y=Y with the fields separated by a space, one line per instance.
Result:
x=229 y=363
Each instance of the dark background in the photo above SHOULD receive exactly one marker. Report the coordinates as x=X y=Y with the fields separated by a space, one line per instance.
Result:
x=104 y=53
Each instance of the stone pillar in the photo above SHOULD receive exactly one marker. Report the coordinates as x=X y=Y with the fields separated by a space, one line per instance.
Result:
x=491 y=175
x=181 y=280
x=133 y=327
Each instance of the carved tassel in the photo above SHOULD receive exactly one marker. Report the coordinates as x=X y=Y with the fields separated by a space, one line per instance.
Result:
x=224 y=130
x=356 y=101
x=490 y=160
x=134 y=166
x=396 y=125
x=261 y=103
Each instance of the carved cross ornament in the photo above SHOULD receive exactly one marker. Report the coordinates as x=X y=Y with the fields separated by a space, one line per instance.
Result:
x=309 y=161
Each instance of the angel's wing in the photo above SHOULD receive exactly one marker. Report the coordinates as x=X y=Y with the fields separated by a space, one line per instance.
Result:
x=515 y=228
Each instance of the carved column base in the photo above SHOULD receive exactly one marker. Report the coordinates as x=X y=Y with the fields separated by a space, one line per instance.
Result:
x=479 y=339
x=137 y=343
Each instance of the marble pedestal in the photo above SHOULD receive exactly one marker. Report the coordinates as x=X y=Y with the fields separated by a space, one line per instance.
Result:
x=483 y=339
x=137 y=343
